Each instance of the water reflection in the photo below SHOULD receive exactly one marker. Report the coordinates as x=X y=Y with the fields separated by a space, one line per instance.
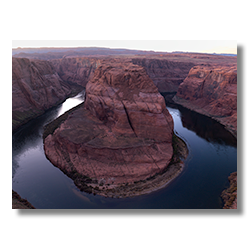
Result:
x=205 y=127
x=29 y=136
x=205 y=175
x=70 y=103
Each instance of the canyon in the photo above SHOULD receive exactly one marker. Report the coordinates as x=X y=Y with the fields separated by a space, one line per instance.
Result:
x=76 y=70
x=123 y=115
x=122 y=134
x=38 y=85
x=205 y=84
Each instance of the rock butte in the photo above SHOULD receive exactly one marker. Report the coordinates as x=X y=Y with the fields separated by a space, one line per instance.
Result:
x=122 y=134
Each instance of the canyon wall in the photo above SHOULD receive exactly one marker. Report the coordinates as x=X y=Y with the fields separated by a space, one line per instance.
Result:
x=77 y=70
x=122 y=134
x=229 y=195
x=212 y=91
x=36 y=87
x=206 y=88
x=166 y=74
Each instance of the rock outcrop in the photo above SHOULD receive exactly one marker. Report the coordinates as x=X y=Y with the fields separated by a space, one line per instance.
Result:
x=212 y=91
x=19 y=203
x=121 y=135
x=36 y=87
x=229 y=195
x=166 y=74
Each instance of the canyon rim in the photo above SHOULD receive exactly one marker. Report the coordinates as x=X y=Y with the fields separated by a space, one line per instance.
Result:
x=120 y=142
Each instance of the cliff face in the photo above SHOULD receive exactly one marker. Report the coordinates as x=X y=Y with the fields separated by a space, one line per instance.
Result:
x=36 y=87
x=76 y=70
x=166 y=74
x=125 y=98
x=122 y=134
x=212 y=91
x=229 y=195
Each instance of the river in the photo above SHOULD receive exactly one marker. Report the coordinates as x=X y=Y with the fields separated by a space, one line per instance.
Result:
x=212 y=157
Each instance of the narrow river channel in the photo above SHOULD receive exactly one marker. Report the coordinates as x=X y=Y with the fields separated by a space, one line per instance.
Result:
x=212 y=157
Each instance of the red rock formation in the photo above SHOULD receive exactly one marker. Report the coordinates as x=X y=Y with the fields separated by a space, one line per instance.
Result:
x=229 y=195
x=165 y=73
x=122 y=134
x=76 y=70
x=212 y=91
x=36 y=87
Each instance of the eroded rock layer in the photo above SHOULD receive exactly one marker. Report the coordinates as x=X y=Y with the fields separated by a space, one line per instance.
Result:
x=166 y=74
x=75 y=69
x=229 y=195
x=212 y=91
x=122 y=134
x=36 y=87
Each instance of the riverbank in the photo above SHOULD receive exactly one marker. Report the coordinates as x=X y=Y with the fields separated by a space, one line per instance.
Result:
x=153 y=183
x=229 y=195
x=47 y=188
x=229 y=122
x=21 y=118
x=19 y=203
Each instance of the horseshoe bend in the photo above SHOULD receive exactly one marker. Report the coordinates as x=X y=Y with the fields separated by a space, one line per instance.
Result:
x=120 y=142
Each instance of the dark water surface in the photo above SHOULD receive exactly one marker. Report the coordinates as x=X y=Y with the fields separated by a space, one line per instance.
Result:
x=212 y=157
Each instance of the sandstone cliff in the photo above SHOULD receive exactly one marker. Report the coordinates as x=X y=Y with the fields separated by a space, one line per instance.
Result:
x=122 y=134
x=36 y=87
x=212 y=91
x=165 y=73
x=76 y=70
x=229 y=195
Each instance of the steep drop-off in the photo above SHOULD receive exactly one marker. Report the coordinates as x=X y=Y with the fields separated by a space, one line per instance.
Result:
x=36 y=87
x=229 y=195
x=212 y=91
x=76 y=70
x=122 y=135
x=166 y=74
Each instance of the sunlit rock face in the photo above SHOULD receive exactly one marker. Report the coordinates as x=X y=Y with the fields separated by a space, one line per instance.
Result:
x=122 y=134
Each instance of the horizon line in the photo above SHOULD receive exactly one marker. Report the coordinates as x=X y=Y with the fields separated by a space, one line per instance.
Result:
x=121 y=48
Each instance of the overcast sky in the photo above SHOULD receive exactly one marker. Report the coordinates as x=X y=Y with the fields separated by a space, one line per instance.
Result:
x=208 y=46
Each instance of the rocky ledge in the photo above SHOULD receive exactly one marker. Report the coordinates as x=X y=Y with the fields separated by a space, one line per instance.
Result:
x=212 y=91
x=120 y=142
x=229 y=195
